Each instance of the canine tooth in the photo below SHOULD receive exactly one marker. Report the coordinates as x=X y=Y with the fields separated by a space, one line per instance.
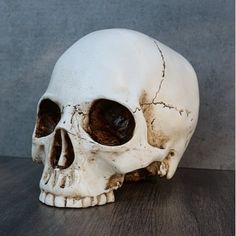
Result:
x=49 y=199
x=42 y=196
x=60 y=201
x=102 y=199
x=86 y=202
x=110 y=196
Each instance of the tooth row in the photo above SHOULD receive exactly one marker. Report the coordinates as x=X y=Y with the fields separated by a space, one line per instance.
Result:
x=60 y=201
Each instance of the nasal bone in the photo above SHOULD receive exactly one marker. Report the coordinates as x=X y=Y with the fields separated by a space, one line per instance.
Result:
x=66 y=121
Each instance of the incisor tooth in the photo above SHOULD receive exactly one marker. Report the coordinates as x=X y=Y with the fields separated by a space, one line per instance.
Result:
x=60 y=201
x=49 y=199
x=77 y=203
x=70 y=202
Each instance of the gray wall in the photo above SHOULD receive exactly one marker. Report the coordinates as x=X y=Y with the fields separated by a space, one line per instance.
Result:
x=33 y=34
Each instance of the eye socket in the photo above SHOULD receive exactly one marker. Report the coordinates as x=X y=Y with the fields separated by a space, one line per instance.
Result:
x=110 y=123
x=48 y=117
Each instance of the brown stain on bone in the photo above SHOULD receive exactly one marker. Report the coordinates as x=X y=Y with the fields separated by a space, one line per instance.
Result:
x=115 y=181
x=63 y=182
x=136 y=175
x=143 y=173
x=151 y=170
x=156 y=138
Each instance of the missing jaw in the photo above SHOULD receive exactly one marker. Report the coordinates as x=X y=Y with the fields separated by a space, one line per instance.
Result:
x=110 y=123
x=48 y=117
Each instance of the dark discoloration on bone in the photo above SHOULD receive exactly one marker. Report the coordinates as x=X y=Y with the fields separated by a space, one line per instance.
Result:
x=48 y=117
x=156 y=138
x=110 y=123
x=155 y=168
x=63 y=182
x=115 y=181
x=141 y=174
x=77 y=110
x=153 y=121
x=136 y=175
x=171 y=154
x=65 y=201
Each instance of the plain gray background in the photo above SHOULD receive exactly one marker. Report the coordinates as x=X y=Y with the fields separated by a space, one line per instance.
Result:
x=33 y=34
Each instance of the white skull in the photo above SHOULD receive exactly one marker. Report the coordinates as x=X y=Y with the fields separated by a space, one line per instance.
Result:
x=119 y=104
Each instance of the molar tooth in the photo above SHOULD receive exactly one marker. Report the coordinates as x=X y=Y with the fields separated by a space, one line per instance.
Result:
x=60 y=201
x=49 y=199
x=86 y=202
x=110 y=196
x=102 y=199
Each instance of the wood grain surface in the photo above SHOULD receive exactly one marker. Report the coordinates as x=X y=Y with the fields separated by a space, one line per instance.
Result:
x=194 y=202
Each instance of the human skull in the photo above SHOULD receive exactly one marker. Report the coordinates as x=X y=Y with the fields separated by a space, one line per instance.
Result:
x=120 y=106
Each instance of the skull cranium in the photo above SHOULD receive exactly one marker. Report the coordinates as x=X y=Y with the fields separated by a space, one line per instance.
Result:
x=119 y=104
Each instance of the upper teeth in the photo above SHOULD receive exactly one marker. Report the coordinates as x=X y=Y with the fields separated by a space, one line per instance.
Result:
x=61 y=201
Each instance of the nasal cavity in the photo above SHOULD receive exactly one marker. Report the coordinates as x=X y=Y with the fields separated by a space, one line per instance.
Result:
x=62 y=154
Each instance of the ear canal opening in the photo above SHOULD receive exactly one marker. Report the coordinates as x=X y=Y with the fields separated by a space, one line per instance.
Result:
x=49 y=115
x=110 y=123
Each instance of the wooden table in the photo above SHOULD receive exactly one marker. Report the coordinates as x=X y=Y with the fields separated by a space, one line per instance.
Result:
x=194 y=202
